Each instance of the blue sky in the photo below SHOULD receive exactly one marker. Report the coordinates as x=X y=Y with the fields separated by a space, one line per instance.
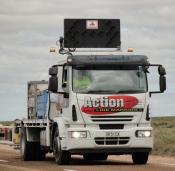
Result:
x=29 y=28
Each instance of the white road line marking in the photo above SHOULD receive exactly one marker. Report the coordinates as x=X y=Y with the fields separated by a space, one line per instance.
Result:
x=168 y=164
x=12 y=167
x=5 y=161
x=69 y=170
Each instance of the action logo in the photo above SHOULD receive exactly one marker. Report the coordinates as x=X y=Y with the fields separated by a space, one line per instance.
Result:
x=110 y=104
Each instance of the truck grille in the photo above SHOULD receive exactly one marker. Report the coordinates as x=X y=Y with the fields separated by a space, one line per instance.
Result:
x=111 y=140
x=110 y=118
x=111 y=126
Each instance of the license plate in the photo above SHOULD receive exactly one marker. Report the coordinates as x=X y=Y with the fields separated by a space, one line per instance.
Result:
x=112 y=134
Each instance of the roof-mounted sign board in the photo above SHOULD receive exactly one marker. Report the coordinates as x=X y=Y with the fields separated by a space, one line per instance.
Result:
x=92 y=33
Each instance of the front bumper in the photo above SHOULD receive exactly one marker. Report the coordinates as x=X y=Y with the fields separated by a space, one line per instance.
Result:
x=110 y=145
x=112 y=151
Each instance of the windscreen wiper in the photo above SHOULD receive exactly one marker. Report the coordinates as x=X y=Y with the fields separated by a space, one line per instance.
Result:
x=101 y=91
x=131 y=91
x=113 y=92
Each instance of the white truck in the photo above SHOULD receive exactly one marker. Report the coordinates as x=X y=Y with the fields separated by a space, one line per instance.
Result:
x=96 y=104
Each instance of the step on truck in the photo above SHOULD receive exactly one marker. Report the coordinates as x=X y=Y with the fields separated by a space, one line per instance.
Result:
x=96 y=102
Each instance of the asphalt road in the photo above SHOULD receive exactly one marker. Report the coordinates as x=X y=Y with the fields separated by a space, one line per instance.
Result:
x=10 y=161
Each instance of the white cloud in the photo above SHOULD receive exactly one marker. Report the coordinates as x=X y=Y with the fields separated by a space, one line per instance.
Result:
x=29 y=28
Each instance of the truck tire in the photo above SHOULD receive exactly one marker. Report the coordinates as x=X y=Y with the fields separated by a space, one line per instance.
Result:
x=39 y=152
x=26 y=147
x=61 y=156
x=30 y=150
x=140 y=158
x=92 y=156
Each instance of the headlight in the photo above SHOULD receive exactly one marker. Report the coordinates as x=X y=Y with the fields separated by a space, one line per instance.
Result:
x=78 y=134
x=143 y=133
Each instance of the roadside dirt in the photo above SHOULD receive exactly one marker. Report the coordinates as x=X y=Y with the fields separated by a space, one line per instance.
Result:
x=10 y=161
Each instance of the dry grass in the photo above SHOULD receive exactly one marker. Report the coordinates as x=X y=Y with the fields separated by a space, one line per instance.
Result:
x=164 y=136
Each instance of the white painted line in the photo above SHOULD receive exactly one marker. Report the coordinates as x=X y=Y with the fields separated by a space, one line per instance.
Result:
x=167 y=164
x=5 y=161
x=69 y=170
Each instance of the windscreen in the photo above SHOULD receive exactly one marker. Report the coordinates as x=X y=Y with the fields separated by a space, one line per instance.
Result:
x=106 y=80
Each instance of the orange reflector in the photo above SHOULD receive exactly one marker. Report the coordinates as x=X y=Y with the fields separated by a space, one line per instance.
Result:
x=52 y=50
x=130 y=50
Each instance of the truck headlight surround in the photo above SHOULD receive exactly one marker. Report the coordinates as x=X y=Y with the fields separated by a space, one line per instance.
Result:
x=78 y=134
x=143 y=133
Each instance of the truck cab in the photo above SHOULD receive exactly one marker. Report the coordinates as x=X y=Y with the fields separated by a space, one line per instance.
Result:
x=104 y=106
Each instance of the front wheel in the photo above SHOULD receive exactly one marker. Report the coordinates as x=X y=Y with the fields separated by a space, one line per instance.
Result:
x=61 y=156
x=140 y=158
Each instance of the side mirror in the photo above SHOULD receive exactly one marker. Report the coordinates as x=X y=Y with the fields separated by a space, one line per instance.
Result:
x=53 y=71
x=53 y=84
x=162 y=79
x=162 y=82
x=161 y=70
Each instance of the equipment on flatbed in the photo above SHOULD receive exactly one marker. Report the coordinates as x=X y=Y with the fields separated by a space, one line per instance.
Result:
x=95 y=104
x=35 y=89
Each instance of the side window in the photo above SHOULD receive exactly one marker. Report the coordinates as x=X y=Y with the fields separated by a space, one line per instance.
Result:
x=60 y=72
x=65 y=76
x=65 y=79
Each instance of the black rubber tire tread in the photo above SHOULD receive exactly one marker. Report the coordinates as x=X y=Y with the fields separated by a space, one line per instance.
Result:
x=140 y=158
x=61 y=157
x=93 y=156
x=39 y=154
x=32 y=150
x=27 y=154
